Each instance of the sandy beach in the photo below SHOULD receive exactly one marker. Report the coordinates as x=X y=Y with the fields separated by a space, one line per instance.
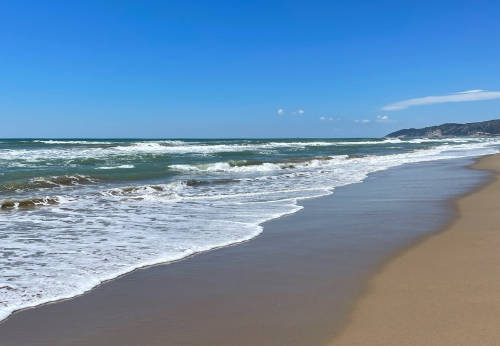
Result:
x=251 y=173
x=446 y=289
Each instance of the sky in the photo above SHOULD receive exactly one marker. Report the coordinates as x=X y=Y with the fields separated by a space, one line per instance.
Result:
x=203 y=69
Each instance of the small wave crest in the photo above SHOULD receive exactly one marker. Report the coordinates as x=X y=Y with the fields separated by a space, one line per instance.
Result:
x=244 y=166
x=65 y=180
x=116 y=167
x=89 y=142
x=157 y=146
x=164 y=192
x=226 y=167
x=28 y=203
x=47 y=183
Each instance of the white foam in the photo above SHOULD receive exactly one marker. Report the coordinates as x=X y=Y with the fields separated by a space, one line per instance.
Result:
x=59 y=251
x=116 y=167
x=31 y=157
x=85 y=142
x=226 y=167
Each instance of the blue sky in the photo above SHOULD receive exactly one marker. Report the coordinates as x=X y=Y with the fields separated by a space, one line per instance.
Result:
x=226 y=69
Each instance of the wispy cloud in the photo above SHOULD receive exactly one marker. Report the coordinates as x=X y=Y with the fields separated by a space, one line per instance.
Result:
x=281 y=111
x=382 y=118
x=364 y=121
x=462 y=96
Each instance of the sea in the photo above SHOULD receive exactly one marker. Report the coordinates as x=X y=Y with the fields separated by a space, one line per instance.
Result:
x=77 y=212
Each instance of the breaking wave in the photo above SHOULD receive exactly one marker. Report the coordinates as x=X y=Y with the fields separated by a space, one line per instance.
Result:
x=69 y=142
x=116 y=167
x=47 y=183
x=28 y=203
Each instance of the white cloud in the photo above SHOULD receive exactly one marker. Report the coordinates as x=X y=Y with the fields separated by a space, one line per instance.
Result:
x=323 y=118
x=382 y=117
x=364 y=121
x=281 y=111
x=462 y=96
x=471 y=91
x=298 y=112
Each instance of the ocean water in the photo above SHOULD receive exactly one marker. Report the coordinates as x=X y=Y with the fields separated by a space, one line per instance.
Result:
x=74 y=213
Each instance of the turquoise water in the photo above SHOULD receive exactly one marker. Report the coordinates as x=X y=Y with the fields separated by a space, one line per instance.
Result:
x=31 y=164
x=76 y=212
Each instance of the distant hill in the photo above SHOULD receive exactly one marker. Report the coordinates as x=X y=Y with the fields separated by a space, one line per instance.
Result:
x=491 y=127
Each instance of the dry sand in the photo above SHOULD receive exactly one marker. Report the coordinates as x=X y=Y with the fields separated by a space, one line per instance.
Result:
x=446 y=289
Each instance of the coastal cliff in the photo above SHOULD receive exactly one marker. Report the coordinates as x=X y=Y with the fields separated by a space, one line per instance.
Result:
x=491 y=127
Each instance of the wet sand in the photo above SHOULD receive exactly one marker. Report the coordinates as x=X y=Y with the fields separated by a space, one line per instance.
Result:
x=446 y=289
x=293 y=285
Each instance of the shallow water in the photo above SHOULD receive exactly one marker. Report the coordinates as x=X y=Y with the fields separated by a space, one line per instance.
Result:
x=77 y=212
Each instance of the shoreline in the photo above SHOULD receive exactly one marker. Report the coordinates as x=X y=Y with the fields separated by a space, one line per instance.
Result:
x=118 y=277
x=401 y=250
x=419 y=308
x=298 y=205
x=205 y=215
x=162 y=263
x=118 y=286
